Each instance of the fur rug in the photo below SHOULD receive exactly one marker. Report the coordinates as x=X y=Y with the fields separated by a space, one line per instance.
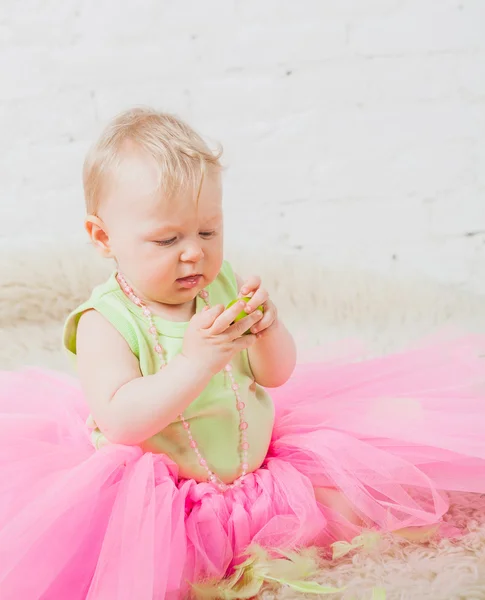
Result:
x=322 y=306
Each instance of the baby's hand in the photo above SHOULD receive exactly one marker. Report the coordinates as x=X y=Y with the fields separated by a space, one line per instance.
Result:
x=259 y=296
x=213 y=337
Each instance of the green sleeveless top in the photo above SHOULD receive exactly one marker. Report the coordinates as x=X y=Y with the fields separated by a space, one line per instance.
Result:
x=213 y=417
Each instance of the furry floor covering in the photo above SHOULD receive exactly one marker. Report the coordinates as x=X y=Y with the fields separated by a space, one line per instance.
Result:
x=322 y=306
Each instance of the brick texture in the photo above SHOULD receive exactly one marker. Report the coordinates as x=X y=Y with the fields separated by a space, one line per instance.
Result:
x=354 y=130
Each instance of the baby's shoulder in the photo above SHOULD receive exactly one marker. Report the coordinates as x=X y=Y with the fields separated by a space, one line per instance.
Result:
x=109 y=302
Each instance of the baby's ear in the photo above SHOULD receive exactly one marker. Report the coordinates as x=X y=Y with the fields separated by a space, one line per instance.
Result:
x=98 y=235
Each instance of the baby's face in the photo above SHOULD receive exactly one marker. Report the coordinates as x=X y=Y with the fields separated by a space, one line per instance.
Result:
x=168 y=249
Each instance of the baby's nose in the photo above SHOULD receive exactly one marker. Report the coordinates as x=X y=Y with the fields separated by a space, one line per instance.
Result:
x=192 y=252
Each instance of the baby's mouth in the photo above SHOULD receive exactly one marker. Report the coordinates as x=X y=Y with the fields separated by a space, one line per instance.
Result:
x=189 y=281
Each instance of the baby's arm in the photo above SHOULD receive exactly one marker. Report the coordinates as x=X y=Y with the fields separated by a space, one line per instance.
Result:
x=127 y=407
x=273 y=356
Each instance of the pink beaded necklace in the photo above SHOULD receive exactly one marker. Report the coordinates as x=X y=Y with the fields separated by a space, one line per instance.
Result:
x=158 y=348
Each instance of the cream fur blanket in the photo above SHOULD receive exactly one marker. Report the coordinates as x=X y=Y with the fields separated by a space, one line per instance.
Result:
x=322 y=305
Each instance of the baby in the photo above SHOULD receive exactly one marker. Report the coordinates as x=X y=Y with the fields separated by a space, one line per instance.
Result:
x=154 y=203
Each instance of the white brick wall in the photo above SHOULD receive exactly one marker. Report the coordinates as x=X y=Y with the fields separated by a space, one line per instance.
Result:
x=354 y=129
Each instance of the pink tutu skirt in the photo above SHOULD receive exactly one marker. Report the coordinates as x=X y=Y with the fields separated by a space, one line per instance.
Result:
x=391 y=434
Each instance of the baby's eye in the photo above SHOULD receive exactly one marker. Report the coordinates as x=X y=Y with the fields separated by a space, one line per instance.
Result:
x=166 y=242
x=207 y=234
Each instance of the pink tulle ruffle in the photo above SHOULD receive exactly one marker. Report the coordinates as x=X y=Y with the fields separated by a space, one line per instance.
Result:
x=392 y=435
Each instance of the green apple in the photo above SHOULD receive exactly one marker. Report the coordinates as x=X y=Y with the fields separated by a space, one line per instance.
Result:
x=243 y=313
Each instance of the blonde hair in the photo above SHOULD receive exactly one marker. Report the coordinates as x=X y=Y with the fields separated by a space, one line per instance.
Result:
x=181 y=154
